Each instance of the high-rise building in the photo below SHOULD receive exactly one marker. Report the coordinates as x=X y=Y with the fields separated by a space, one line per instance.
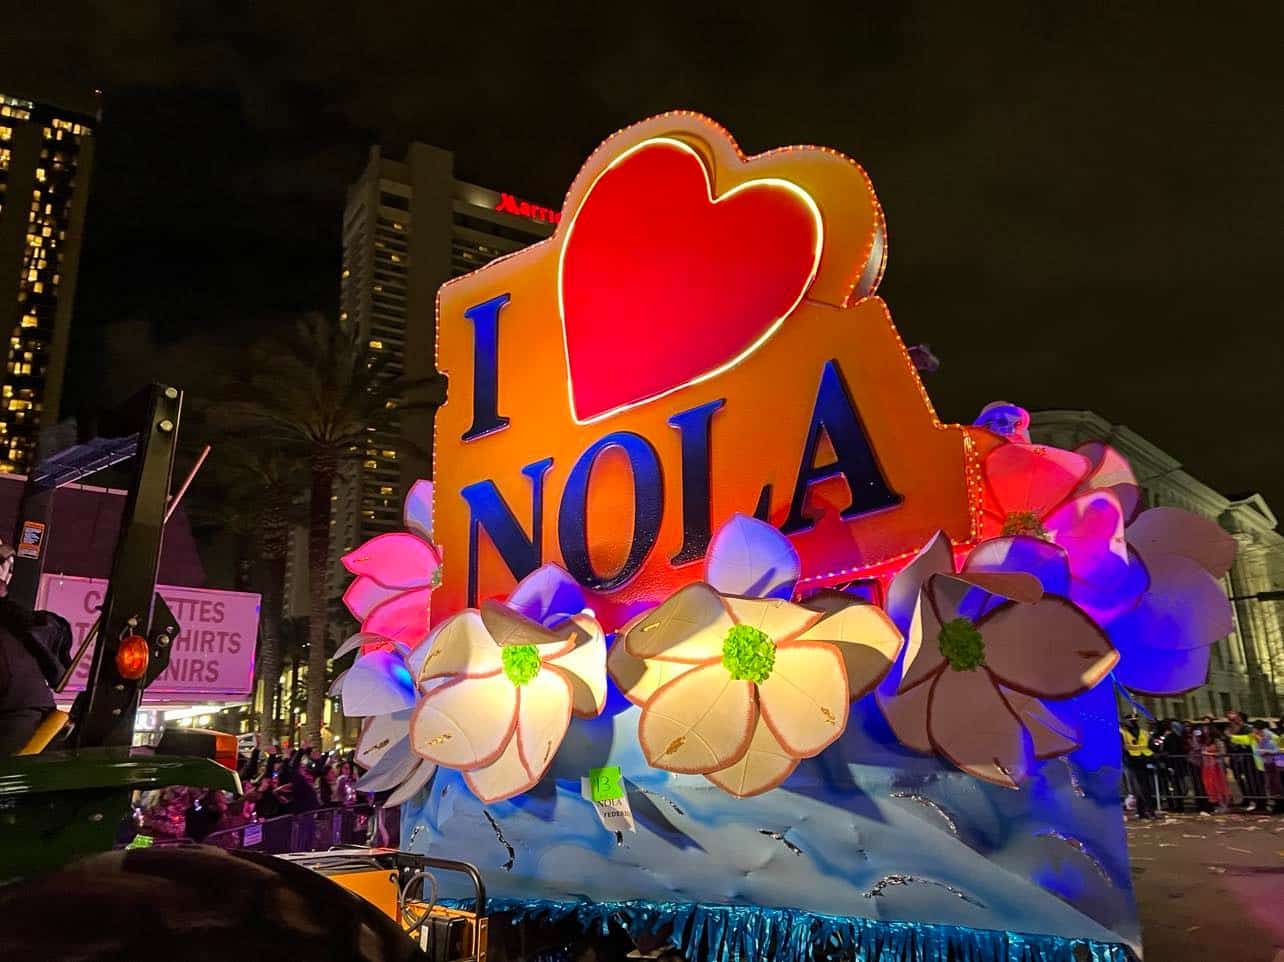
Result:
x=1247 y=668
x=46 y=152
x=408 y=227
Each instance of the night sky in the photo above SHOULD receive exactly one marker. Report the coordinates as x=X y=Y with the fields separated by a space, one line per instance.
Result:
x=1084 y=209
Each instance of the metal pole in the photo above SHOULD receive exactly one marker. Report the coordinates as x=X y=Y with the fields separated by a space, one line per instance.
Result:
x=182 y=489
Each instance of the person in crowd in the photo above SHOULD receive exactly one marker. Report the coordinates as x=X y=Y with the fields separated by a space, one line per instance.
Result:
x=1175 y=772
x=303 y=791
x=269 y=801
x=1194 y=743
x=35 y=651
x=345 y=786
x=1138 y=765
x=1266 y=756
x=1213 y=757
x=1239 y=738
x=327 y=784
x=203 y=815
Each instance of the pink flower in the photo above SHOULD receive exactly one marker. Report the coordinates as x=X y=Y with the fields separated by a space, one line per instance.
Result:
x=396 y=573
x=984 y=649
x=501 y=689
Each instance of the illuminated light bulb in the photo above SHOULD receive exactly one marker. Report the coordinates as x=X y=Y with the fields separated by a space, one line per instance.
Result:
x=132 y=657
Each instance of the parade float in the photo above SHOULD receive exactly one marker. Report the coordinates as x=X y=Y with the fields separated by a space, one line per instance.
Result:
x=707 y=624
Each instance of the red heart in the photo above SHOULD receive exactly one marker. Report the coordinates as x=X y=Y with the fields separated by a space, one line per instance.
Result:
x=663 y=286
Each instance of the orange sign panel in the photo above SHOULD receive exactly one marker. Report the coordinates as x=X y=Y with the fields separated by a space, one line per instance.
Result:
x=699 y=337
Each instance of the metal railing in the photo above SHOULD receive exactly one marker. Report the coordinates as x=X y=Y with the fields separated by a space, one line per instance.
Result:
x=1176 y=782
x=315 y=831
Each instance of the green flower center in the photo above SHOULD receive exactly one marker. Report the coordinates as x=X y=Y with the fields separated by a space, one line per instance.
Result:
x=521 y=663
x=961 y=644
x=748 y=654
x=1024 y=522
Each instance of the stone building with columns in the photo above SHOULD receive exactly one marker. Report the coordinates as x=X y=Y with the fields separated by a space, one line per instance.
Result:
x=1247 y=668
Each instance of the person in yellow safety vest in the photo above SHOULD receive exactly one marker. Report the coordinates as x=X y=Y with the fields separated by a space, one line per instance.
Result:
x=1138 y=765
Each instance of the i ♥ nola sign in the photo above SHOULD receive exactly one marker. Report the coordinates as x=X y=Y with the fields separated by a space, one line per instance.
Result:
x=699 y=337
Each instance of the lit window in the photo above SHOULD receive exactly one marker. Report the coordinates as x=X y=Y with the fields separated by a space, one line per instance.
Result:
x=377 y=345
x=368 y=464
x=385 y=489
x=387 y=453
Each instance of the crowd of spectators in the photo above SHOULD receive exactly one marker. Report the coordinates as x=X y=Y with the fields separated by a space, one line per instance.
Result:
x=1210 y=766
x=275 y=784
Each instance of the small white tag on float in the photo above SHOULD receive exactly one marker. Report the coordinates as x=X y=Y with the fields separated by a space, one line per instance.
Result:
x=613 y=812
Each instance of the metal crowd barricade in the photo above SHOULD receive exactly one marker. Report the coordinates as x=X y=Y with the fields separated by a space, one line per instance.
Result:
x=1176 y=782
x=316 y=831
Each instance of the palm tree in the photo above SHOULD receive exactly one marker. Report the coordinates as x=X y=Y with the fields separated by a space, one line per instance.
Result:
x=318 y=395
x=258 y=487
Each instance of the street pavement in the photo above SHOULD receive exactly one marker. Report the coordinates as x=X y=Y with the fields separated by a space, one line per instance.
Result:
x=1210 y=887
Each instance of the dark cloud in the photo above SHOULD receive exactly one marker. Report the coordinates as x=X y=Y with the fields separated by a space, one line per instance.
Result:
x=1084 y=207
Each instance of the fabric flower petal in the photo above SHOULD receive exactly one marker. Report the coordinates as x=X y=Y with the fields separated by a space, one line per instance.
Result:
x=397 y=559
x=336 y=686
x=690 y=626
x=777 y=619
x=390 y=770
x=700 y=722
x=805 y=699
x=378 y=735
x=548 y=595
x=362 y=639
x=1086 y=525
x=922 y=648
x=906 y=713
x=1111 y=470
x=509 y=628
x=416 y=510
x=1184 y=608
x=1049 y=649
x=1044 y=560
x=1162 y=672
x=1112 y=588
x=460 y=645
x=865 y=639
x=1050 y=736
x=543 y=715
x=639 y=678
x=1032 y=477
x=409 y=788
x=972 y=726
x=364 y=594
x=1171 y=531
x=378 y=683
x=403 y=617
x=585 y=667
x=763 y=766
x=936 y=557
x=466 y=722
x=750 y=557
x=503 y=778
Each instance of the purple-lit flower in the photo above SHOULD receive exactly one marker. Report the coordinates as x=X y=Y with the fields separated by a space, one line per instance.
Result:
x=1166 y=639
